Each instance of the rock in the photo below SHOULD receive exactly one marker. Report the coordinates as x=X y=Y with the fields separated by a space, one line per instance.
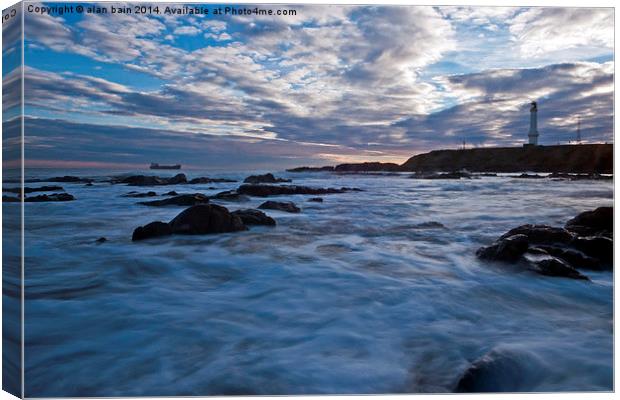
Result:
x=287 y=206
x=101 y=240
x=254 y=217
x=541 y=234
x=529 y=176
x=368 y=167
x=205 y=179
x=599 y=247
x=592 y=223
x=206 y=219
x=147 y=180
x=89 y=184
x=553 y=266
x=229 y=195
x=180 y=200
x=170 y=193
x=68 y=179
x=266 y=178
x=445 y=175
x=429 y=225
x=316 y=199
x=311 y=169
x=36 y=189
x=573 y=257
x=501 y=370
x=509 y=249
x=140 y=195
x=52 y=197
x=11 y=199
x=154 y=229
x=580 y=177
x=273 y=190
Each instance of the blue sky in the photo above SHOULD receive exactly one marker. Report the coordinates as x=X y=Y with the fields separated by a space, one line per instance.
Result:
x=331 y=84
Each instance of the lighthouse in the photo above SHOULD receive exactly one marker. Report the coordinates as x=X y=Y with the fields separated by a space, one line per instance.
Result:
x=533 y=133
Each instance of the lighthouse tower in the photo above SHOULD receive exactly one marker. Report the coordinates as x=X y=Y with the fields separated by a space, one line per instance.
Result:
x=533 y=133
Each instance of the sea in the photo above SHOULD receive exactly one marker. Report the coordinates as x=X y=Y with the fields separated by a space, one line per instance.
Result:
x=355 y=295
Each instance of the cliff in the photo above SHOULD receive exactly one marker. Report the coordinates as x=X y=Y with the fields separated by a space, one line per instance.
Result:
x=585 y=158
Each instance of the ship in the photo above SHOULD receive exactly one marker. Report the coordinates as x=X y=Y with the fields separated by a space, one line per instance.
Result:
x=158 y=166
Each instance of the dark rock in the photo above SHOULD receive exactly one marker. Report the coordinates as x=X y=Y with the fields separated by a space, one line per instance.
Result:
x=206 y=219
x=36 y=189
x=553 y=266
x=11 y=199
x=541 y=234
x=591 y=223
x=316 y=199
x=311 y=169
x=266 y=178
x=501 y=370
x=273 y=190
x=368 y=167
x=180 y=200
x=509 y=249
x=230 y=195
x=154 y=229
x=51 y=197
x=170 y=193
x=430 y=225
x=575 y=258
x=529 y=176
x=147 y=180
x=287 y=206
x=68 y=179
x=580 y=177
x=101 y=240
x=89 y=184
x=445 y=175
x=205 y=179
x=140 y=195
x=254 y=217
x=599 y=247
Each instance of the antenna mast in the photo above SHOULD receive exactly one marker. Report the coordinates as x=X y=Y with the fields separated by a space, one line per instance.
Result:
x=578 y=130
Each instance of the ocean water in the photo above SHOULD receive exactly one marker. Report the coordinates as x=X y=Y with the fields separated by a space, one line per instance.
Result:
x=349 y=296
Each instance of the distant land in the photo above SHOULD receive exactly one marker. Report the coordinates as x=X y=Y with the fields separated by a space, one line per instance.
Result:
x=583 y=158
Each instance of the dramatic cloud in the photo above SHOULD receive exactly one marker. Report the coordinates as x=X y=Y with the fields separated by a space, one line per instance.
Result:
x=379 y=82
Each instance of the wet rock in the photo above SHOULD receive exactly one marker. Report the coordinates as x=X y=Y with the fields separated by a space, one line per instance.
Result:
x=580 y=177
x=36 y=189
x=573 y=257
x=101 y=240
x=501 y=370
x=10 y=199
x=254 y=217
x=230 y=195
x=599 y=247
x=205 y=219
x=51 y=197
x=89 y=184
x=148 y=180
x=273 y=190
x=203 y=180
x=139 y=195
x=170 y=193
x=266 y=178
x=180 y=200
x=316 y=199
x=541 y=234
x=445 y=175
x=590 y=223
x=327 y=168
x=154 y=229
x=430 y=225
x=287 y=206
x=509 y=248
x=528 y=176
x=553 y=266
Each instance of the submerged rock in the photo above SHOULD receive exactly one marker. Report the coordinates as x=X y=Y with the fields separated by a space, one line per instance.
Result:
x=595 y=222
x=254 y=217
x=148 y=180
x=266 y=178
x=154 y=229
x=445 y=175
x=205 y=179
x=510 y=248
x=36 y=189
x=316 y=199
x=273 y=190
x=101 y=240
x=204 y=219
x=430 y=225
x=11 y=199
x=230 y=195
x=51 y=197
x=287 y=206
x=139 y=195
x=170 y=193
x=180 y=200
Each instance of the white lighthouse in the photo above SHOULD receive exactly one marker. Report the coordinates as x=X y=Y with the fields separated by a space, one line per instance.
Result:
x=533 y=133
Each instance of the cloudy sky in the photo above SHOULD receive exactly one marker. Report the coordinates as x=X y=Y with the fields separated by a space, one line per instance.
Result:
x=331 y=84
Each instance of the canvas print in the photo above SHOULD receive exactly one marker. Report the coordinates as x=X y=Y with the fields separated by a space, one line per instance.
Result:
x=270 y=199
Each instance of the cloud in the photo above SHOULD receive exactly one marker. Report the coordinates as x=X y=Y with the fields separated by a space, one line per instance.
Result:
x=187 y=30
